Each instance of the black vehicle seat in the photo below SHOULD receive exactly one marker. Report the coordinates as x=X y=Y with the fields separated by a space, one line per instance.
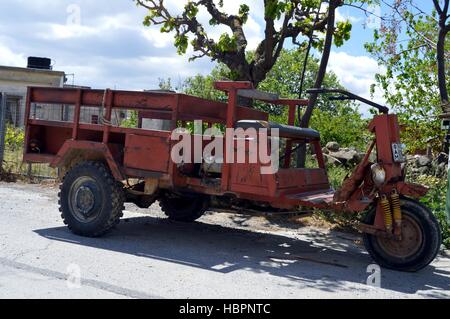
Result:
x=286 y=131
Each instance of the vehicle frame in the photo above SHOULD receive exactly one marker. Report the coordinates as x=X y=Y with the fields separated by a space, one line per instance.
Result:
x=144 y=157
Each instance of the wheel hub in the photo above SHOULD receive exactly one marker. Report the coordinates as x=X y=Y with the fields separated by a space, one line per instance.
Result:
x=410 y=242
x=85 y=200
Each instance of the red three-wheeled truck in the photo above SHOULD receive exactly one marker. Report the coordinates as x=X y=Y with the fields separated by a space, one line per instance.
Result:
x=103 y=164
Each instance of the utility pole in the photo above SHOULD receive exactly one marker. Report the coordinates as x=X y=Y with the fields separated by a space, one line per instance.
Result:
x=2 y=127
x=446 y=126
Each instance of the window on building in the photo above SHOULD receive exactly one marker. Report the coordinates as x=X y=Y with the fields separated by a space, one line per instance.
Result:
x=13 y=104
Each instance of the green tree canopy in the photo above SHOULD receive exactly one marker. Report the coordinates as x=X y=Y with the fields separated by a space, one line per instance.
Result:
x=406 y=46
x=337 y=121
x=285 y=21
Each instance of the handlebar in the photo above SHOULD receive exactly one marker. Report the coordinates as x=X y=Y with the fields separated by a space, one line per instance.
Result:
x=347 y=96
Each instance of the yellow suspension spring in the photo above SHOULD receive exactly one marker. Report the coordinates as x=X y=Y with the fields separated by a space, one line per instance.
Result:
x=396 y=209
x=386 y=206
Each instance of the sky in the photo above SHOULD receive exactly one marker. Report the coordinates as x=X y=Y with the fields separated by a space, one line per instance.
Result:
x=103 y=43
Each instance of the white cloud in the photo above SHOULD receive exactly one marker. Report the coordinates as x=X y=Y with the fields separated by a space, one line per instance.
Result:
x=11 y=58
x=64 y=32
x=342 y=16
x=99 y=26
x=254 y=33
x=111 y=47
x=357 y=74
x=158 y=39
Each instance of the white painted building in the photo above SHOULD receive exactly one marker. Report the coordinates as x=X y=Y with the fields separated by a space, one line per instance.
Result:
x=14 y=82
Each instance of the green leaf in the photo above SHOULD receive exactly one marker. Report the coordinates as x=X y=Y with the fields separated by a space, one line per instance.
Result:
x=226 y=43
x=342 y=33
x=181 y=43
x=191 y=10
x=244 y=11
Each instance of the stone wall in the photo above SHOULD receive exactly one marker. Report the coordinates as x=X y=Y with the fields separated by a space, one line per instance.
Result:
x=425 y=165
x=338 y=156
x=416 y=164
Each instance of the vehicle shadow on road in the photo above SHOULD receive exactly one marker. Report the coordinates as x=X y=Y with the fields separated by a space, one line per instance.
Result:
x=321 y=261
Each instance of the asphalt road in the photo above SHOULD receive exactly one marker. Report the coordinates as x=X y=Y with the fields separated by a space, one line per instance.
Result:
x=221 y=256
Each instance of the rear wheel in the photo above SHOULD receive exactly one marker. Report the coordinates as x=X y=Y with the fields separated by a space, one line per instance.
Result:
x=184 y=208
x=91 y=200
x=420 y=243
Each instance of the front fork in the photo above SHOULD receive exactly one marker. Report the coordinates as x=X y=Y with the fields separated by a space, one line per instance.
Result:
x=392 y=212
x=388 y=220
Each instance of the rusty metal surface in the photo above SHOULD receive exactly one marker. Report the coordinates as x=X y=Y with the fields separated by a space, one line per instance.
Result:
x=95 y=150
x=145 y=154
x=409 y=242
x=412 y=190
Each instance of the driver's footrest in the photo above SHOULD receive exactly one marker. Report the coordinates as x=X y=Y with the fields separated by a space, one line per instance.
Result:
x=315 y=198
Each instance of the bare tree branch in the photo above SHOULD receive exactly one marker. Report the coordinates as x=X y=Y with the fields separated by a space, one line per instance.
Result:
x=295 y=21
x=440 y=47
x=431 y=43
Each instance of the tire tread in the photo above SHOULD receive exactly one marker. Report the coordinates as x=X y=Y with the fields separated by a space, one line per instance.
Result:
x=117 y=197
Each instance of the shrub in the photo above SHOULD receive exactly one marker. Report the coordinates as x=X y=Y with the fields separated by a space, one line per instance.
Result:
x=132 y=121
x=344 y=125
x=435 y=200
x=14 y=138
x=337 y=175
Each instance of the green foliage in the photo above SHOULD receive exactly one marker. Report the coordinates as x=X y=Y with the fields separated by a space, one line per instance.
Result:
x=435 y=200
x=203 y=86
x=337 y=121
x=275 y=8
x=283 y=79
x=244 y=11
x=285 y=76
x=14 y=138
x=342 y=33
x=152 y=13
x=181 y=43
x=337 y=175
x=345 y=126
x=226 y=43
x=131 y=121
x=12 y=161
x=410 y=84
x=166 y=85
x=287 y=20
x=191 y=10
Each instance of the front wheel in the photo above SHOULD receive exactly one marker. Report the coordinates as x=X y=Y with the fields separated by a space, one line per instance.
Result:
x=420 y=243
x=91 y=200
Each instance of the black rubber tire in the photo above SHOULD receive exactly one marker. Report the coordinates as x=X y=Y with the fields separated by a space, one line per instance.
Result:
x=107 y=196
x=427 y=249
x=145 y=202
x=186 y=209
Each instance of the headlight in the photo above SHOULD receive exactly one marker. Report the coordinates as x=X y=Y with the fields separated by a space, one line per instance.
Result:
x=378 y=175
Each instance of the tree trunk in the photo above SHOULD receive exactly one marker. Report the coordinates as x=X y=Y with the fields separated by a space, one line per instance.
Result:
x=256 y=78
x=323 y=63
x=301 y=154
x=441 y=65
